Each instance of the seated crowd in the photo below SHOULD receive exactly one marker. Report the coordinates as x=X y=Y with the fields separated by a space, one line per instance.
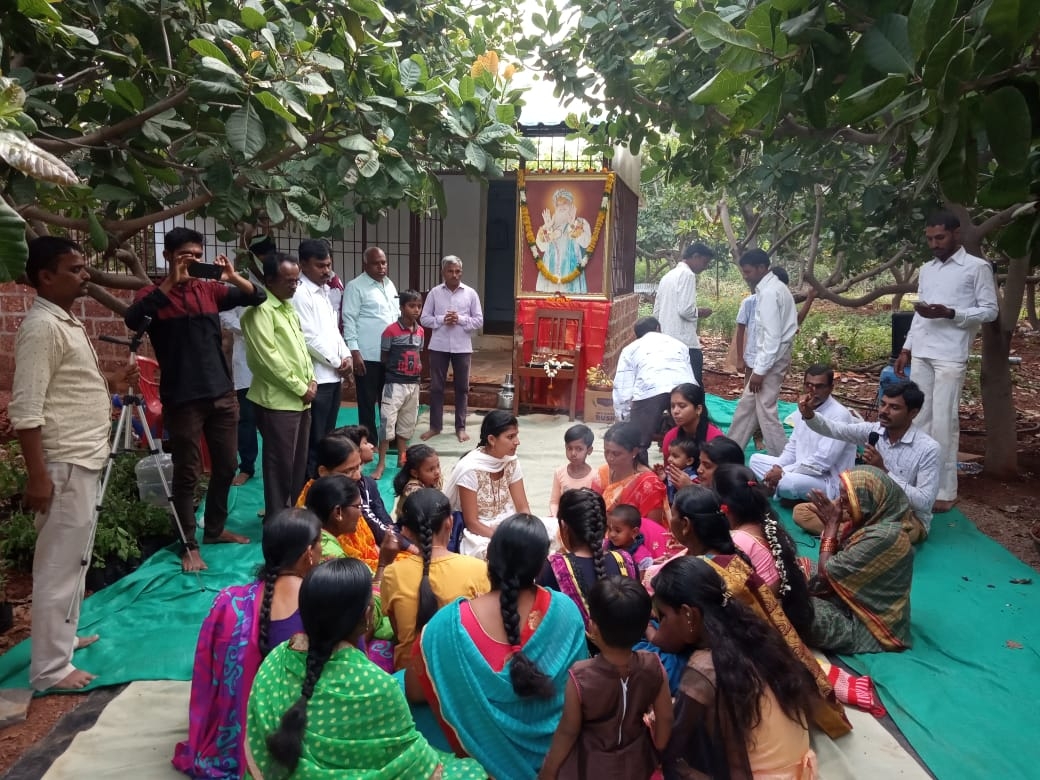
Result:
x=657 y=619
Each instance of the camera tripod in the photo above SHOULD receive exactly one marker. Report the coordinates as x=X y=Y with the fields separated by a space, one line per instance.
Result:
x=122 y=440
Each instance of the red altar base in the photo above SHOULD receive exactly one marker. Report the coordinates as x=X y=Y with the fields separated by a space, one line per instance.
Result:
x=593 y=346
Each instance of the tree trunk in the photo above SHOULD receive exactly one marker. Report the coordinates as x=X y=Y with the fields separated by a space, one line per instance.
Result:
x=998 y=404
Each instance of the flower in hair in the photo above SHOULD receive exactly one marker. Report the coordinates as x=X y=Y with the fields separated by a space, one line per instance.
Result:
x=752 y=483
x=726 y=596
x=724 y=508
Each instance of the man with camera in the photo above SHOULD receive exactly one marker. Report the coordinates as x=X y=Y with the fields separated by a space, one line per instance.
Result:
x=195 y=385
x=62 y=413
x=894 y=444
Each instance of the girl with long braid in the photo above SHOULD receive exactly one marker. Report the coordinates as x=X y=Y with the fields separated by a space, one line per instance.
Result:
x=757 y=531
x=429 y=576
x=319 y=708
x=583 y=528
x=744 y=703
x=245 y=622
x=494 y=669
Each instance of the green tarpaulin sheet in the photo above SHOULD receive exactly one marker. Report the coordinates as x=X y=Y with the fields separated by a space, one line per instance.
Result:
x=965 y=695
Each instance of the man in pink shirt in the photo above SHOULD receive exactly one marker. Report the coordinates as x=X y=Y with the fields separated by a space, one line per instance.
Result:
x=452 y=312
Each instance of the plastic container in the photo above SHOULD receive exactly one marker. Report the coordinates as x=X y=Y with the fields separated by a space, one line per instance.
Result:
x=149 y=485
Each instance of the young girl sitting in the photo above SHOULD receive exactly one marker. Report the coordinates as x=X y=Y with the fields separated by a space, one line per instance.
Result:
x=577 y=473
x=743 y=704
x=583 y=525
x=757 y=531
x=602 y=732
x=623 y=535
x=420 y=583
x=421 y=469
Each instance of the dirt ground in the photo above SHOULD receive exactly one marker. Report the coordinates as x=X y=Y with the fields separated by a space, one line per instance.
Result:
x=1001 y=509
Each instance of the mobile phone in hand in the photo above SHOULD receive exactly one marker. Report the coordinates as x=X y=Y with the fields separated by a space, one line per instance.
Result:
x=205 y=271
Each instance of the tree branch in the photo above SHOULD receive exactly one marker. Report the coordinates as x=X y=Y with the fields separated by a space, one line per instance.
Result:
x=863 y=300
x=104 y=134
x=876 y=271
x=787 y=236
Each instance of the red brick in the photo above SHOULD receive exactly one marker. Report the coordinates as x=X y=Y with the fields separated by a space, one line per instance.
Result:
x=12 y=322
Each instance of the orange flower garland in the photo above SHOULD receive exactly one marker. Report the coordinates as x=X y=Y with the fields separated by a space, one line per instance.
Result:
x=525 y=218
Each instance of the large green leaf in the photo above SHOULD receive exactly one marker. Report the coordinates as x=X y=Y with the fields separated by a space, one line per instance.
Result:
x=871 y=99
x=208 y=49
x=722 y=85
x=939 y=57
x=938 y=147
x=711 y=31
x=410 y=73
x=887 y=45
x=1011 y=21
x=245 y=131
x=1005 y=114
x=14 y=250
x=98 y=235
x=23 y=155
x=928 y=21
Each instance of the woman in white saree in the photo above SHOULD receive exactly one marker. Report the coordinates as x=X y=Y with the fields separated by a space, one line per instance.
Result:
x=487 y=485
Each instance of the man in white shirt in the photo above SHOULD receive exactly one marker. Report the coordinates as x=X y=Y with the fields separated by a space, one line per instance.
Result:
x=328 y=350
x=776 y=323
x=248 y=446
x=648 y=370
x=369 y=305
x=675 y=305
x=810 y=461
x=956 y=294
x=894 y=444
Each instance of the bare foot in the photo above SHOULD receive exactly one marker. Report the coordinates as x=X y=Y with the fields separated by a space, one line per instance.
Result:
x=462 y=435
x=429 y=435
x=943 y=506
x=378 y=473
x=191 y=560
x=86 y=641
x=260 y=512
x=240 y=479
x=227 y=538
x=75 y=680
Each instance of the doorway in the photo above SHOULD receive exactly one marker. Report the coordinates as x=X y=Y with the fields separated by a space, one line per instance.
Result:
x=500 y=258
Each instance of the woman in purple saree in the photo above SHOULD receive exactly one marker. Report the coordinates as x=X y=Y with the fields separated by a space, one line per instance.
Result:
x=245 y=622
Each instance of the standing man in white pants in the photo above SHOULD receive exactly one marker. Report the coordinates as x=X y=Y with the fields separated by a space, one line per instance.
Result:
x=776 y=322
x=62 y=413
x=810 y=461
x=956 y=294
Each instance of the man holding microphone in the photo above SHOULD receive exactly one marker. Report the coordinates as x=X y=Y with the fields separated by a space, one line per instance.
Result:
x=893 y=444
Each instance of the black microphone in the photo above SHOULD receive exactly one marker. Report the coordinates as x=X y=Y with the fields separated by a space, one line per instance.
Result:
x=872 y=439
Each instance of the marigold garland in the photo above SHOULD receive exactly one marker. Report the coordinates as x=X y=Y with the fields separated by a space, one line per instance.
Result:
x=525 y=218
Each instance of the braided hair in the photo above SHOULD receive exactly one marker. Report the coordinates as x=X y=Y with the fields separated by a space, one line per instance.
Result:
x=334 y=599
x=515 y=556
x=585 y=515
x=286 y=536
x=414 y=457
x=739 y=489
x=749 y=655
x=699 y=507
x=424 y=513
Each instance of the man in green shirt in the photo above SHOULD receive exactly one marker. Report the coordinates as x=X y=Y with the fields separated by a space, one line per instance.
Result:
x=283 y=382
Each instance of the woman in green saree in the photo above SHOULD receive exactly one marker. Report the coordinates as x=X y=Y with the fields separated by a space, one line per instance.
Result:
x=862 y=589
x=320 y=709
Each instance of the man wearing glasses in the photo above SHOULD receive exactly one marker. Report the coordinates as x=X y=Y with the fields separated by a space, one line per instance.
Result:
x=283 y=383
x=810 y=461
x=195 y=385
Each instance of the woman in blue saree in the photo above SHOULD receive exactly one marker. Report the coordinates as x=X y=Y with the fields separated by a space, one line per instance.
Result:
x=494 y=669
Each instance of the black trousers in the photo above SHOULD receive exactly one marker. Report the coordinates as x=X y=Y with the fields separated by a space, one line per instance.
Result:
x=286 y=435
x=324 y=411
x=370 y=396
x=248 y=445
x=697 y=364
x=646 y=415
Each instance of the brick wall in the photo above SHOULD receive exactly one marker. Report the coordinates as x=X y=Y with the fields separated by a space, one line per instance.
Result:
x=15 y=300
x=624 y=311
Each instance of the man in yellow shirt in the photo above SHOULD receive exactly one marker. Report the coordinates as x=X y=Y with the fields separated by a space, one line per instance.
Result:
x=61 y=410
x=283 y=382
